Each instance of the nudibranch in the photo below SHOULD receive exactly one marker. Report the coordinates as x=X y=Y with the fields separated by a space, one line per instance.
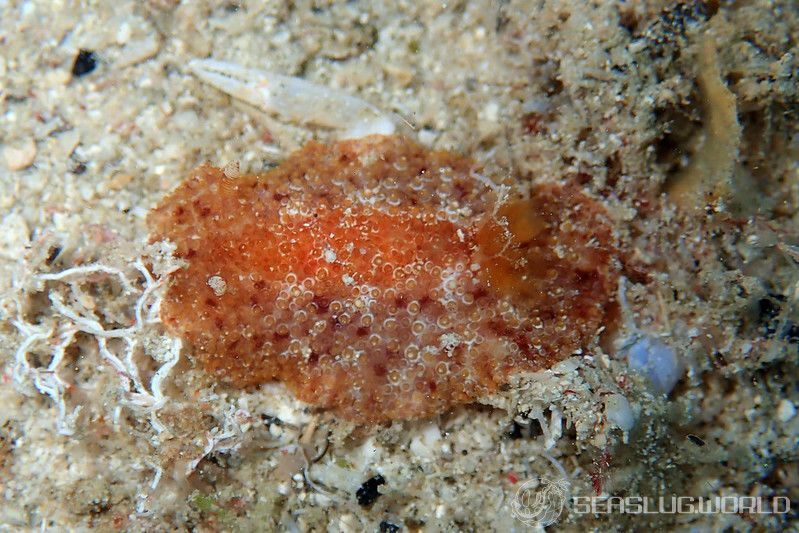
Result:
x=382 y=280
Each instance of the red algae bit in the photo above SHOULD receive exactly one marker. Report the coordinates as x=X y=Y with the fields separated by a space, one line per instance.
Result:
x=381 y=280
x=599 y=471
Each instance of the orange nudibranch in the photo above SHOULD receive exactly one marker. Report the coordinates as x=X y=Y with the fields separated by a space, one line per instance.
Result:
x=382 y=280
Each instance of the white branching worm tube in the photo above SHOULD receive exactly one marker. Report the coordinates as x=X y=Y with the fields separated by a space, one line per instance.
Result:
x=46 y=379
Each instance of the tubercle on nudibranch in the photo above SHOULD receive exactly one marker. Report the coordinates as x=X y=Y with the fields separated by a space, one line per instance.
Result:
x=380 y=279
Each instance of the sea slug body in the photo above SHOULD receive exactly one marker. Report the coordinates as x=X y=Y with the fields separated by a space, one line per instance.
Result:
x=382 y=280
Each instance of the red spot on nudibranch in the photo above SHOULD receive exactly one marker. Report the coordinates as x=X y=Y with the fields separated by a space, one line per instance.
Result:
x=380 y=279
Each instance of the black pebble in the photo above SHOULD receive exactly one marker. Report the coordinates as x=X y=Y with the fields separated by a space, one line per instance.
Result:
x=768 y=311
x=696 y=440
x=790 y=333
x=84 y=63
x=388 y=527
x=367 y=493
x=515 y=431
x=52 y=254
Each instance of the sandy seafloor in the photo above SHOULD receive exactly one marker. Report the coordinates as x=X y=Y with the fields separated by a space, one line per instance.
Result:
x=626 y=99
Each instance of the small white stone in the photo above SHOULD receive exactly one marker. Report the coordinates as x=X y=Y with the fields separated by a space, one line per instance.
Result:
x=348 y=523
x=123 y=33
x=539 y=105
x=66 y=143
x=619 y=412
x=427 y=137
x=20 y=156
x=491 y=112
x=426 y=441
x=785 y=411
x=217 y=285
x=330 y=255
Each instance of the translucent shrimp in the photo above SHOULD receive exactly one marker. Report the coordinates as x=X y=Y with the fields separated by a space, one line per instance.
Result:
x=295 y=99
